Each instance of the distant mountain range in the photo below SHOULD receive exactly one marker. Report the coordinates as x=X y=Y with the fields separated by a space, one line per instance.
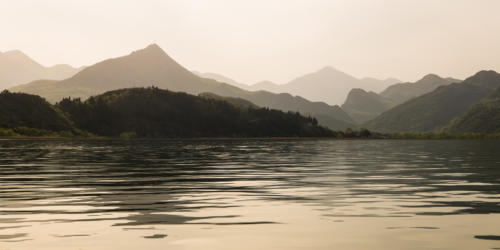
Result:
x=433 y=111
x=153 y=67
x=17 y=68
x=432 y=104
x=221 y=78
x=363 y=106
x=326 y=85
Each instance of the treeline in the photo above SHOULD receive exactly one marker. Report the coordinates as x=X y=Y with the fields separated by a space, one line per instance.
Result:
x=156 y=113
x=153 y=112
x=30 y=115
x=149 y=112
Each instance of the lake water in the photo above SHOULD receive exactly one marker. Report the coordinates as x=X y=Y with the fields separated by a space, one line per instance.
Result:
x=249 y=194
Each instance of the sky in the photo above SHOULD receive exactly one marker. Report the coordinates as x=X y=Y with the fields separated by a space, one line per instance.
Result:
x=257 y=40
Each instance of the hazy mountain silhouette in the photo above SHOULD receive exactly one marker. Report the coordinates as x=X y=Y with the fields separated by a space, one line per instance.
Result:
x=268 y=86
x=221 y=78
x=403 y=92
x=331 y=116
x=17 y=68
x=378 y=85
x=262 y=85
x=328 y=85
x=434 y=110
x=363 y=106
x=153 y=67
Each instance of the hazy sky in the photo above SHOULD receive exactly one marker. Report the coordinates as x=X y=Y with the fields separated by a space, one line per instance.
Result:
x=257 y=40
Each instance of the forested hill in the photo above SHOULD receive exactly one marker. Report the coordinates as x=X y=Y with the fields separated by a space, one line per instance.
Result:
x=152 y=112
x=483 y=117
x=435 y=110
x=31 y=115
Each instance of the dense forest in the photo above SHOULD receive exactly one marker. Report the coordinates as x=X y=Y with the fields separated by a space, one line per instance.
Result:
x=152 y=112
x=31 y=115
x=483 y=117
x=156 y=113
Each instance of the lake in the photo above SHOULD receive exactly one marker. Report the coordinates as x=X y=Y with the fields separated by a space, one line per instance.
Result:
x=249 y=194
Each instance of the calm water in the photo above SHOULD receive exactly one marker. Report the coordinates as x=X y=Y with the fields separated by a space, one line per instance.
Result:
x=249 y=194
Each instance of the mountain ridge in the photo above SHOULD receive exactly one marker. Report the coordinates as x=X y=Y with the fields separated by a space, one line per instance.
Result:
x=18 y=68
x=151 y=66
x=433 y=111
x=321 y=85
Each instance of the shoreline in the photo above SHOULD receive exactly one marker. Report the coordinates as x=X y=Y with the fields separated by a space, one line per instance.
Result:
x=452 y=137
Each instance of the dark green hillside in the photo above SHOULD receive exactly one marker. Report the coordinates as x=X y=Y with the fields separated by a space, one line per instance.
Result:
x=22 y=111
x=483 y=117
x=436 y=109
x=152 y=112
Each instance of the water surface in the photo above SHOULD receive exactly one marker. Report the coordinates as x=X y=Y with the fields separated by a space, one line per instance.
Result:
x=249 y=194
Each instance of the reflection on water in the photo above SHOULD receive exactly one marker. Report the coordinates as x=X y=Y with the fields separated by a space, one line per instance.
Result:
x=247 y=194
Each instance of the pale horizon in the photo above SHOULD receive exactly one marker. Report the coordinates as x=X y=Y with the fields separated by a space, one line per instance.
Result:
x=265 y=40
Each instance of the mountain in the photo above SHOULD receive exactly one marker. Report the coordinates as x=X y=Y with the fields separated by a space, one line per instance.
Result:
x=262 y=85
x=23 y=111
x=403 y=92
x=378 y=85
x=146 y=67
x=331 y=116
x=153 y=67
x=434 y=110
x=152 y=112
x=363 y=106
x=268 y=86
x=221 y=78
x=17 y=68
x=483 y=117
x=328 y=85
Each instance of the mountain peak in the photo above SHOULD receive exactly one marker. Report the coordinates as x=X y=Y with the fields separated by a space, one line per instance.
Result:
x=355 y=91
x=485 y=78
x=154 y=46
x=327 y=69
x=14 y=52
x=483 y=74
x=151 y=49
x=430 y=77
x=17 y=54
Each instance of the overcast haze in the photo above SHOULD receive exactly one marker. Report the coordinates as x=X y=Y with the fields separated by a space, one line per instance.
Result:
x=253 y=40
